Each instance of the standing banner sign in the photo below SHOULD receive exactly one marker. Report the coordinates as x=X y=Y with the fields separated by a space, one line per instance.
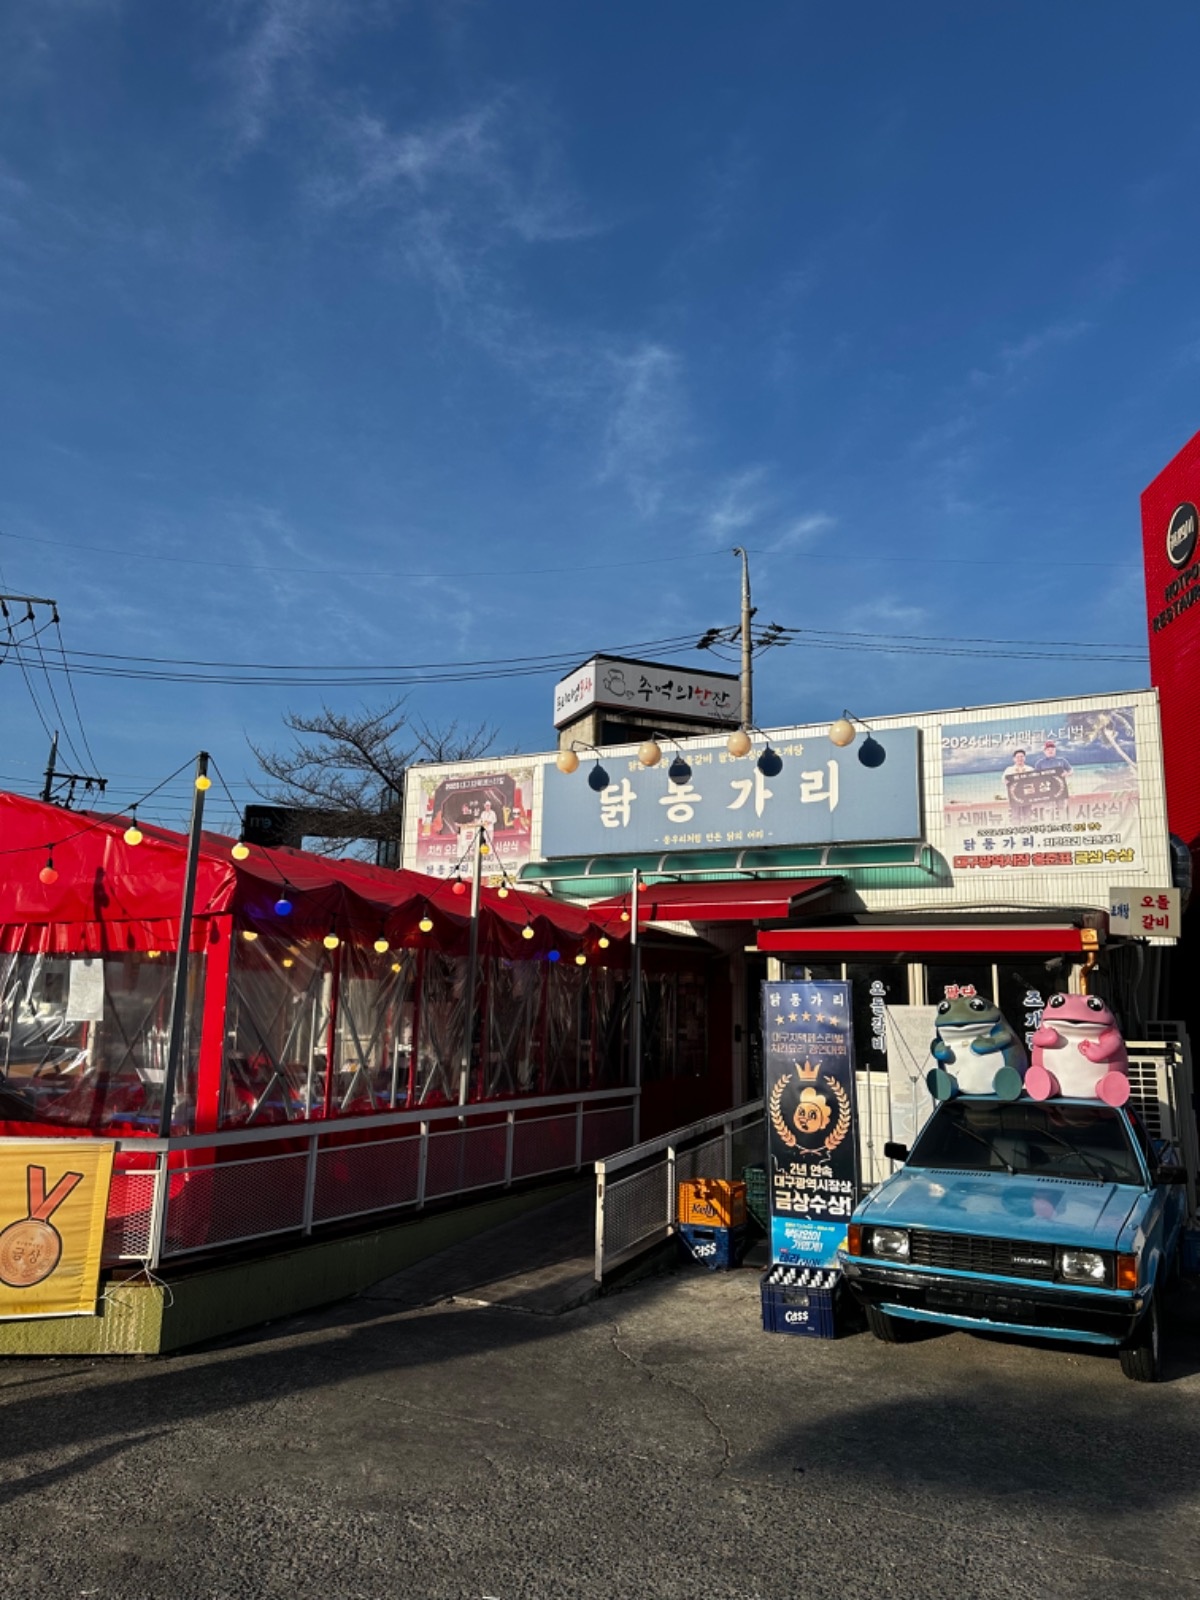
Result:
x=53 y=1202
x=812 y=1137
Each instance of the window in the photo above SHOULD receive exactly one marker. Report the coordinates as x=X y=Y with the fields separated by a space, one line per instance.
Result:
x=1034 y=1139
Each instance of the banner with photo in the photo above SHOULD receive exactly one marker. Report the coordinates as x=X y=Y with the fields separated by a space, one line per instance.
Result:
x=812 y=1137
x=451 y=808
x=1033 y=793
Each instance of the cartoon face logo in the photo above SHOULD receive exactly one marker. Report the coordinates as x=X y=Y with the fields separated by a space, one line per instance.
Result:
x=812 y=1112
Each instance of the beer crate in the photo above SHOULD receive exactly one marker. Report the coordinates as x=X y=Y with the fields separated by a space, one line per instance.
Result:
x=806 y=1309
x=718 y=1249
x=712 y=1203
x=757 y=1203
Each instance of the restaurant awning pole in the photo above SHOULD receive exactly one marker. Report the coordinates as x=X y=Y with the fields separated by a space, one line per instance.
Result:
x=179 y=990
x=464 y=1077
x=635 y=1006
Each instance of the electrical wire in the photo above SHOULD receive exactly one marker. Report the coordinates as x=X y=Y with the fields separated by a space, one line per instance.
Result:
x=95 y=765
x=99 y=820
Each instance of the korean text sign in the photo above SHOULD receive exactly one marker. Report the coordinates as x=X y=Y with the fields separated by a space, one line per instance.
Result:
x=1145 y=913
x=1040 y=792
x=820 y=796
x=53 y=1202
x=812 y=1135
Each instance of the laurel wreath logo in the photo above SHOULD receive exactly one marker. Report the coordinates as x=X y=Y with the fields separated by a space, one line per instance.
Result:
x=836 y=1134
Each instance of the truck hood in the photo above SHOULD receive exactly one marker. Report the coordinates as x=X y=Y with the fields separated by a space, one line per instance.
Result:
x=1004 y=1205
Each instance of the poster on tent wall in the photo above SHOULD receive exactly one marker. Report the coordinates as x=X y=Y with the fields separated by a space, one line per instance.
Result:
x=812 y=1138
x=1036 y=792
x=53 y=1202
x=451 y=809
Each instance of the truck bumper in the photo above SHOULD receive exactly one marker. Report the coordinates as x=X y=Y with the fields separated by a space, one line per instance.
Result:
x=993 y=1305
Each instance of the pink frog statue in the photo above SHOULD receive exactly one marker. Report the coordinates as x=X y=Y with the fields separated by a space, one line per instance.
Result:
x=1079 y=1051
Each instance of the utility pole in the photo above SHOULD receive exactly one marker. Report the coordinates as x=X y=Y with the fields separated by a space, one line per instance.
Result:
x=747 y=643
x=48 y=786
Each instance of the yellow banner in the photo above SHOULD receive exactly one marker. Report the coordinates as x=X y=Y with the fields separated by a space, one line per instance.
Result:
x=53 y=1200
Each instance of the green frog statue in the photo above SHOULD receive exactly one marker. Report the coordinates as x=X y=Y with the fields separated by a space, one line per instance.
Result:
x=976 y=1051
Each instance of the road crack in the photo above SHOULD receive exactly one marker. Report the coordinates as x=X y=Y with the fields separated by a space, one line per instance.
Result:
x=693 y=1395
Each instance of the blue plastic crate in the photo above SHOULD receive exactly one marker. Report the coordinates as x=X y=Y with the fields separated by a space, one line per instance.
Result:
x=806 y=1310
x=718 y=1249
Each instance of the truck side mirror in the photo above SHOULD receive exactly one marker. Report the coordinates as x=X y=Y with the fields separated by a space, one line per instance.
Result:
x=1169 y=1174
x=898 y=1152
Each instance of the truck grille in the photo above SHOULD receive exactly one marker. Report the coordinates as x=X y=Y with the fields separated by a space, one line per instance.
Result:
x=966 y=1252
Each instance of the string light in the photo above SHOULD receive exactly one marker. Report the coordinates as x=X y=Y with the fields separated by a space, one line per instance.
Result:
x=552 y=955
x=239 y=852
x=581 y=960
x=426 y=924
x=249 y=935
x=48 y=874
x=624 y=916
x=603 y=941
x=485 y=849
x=527 y=931
x=133 y=834
x=331 y=940
x=396 y=966
x=153 y=955
x=502 y=891
x=287 y=962
x=459 y=886
x=283 y=906
x=381 y=946
x=203 y=782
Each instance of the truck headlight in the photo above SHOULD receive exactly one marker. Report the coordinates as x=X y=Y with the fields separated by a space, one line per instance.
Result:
x=891 y=1242
x=1083 y=1266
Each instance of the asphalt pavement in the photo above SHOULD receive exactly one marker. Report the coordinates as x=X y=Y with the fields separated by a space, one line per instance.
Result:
x=655 y=1443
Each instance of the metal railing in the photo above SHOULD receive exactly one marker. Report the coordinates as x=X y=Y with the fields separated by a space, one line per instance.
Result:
x=199 y=1193
x=636 y=1210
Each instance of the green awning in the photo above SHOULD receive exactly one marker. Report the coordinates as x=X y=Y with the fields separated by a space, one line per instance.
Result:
x=865 y=866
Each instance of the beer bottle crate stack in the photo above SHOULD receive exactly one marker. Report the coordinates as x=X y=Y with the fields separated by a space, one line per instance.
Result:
x=757 y=1205
x=800 y=1300
x=711 y=1203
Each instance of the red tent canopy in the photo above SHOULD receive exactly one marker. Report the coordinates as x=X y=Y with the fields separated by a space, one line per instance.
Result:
x=110 y=895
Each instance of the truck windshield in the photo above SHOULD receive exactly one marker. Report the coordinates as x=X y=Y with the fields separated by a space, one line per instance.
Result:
x=1025 y=1136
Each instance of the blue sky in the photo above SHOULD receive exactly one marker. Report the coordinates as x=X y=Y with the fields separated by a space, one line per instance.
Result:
x=293 y=293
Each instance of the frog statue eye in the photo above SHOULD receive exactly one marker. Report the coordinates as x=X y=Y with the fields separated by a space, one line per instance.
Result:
x=978 y=1005
x=1057 y=999
x=943 y=1008
x=1095 y=1003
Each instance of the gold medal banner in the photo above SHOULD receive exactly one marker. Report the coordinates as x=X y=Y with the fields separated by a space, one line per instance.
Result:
x=53 y=1203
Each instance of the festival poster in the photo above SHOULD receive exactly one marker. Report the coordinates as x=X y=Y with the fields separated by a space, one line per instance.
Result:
x=53 y=1202
x=450 y=807
x=812 y=1138
x=1033 y=793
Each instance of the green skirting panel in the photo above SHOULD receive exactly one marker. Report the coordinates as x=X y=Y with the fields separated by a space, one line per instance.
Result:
x=140 y=1318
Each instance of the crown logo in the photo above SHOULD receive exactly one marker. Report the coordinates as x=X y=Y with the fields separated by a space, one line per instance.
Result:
x=808 y=1073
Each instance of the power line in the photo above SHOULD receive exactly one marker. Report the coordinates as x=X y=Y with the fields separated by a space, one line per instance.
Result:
x=74 y=701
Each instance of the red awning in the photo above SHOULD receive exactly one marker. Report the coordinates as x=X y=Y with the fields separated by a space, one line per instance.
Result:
x=746 y=900
x=918 y=941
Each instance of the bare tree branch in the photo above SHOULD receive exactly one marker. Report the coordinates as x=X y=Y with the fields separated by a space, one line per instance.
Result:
x=352 y=766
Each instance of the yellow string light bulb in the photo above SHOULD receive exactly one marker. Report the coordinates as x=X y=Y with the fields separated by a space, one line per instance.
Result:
x=249 y=935
x=624 y=916
x=485 y=849
x=331 y=940
x=502 y=891
x=240 y=850
x=426 y=924
x=603 y=941
x=287 y=962
x=395 y=966
x=133 y=834
x=203 y=782
x=153 y=955
x=527 y=931
x=381 y=946
x=581 y=960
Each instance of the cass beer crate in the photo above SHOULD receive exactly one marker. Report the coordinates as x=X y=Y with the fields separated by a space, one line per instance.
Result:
x=757 y=1204
x=718 y=1249
x=800 y=1300
x=712 y=1203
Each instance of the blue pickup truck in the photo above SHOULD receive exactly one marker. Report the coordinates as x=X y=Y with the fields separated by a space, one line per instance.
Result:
x=1058 y=1218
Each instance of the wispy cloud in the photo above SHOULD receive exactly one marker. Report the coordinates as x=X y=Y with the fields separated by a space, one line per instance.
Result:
x=803 y=531
x=645 y=423
x=1013 y=360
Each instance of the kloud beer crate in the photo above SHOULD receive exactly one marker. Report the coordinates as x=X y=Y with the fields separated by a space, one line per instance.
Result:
x=800 y=1300
x=712 y=1203
x=718 y=1249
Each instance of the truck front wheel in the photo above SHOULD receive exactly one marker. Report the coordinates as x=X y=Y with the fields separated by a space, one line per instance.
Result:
x=890 y=1330
x=1140 y=1358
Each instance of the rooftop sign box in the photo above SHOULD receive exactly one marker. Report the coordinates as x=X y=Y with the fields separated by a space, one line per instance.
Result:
x=646 y=686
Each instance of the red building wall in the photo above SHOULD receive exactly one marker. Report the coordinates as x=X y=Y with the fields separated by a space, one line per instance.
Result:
x=1173 y=614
